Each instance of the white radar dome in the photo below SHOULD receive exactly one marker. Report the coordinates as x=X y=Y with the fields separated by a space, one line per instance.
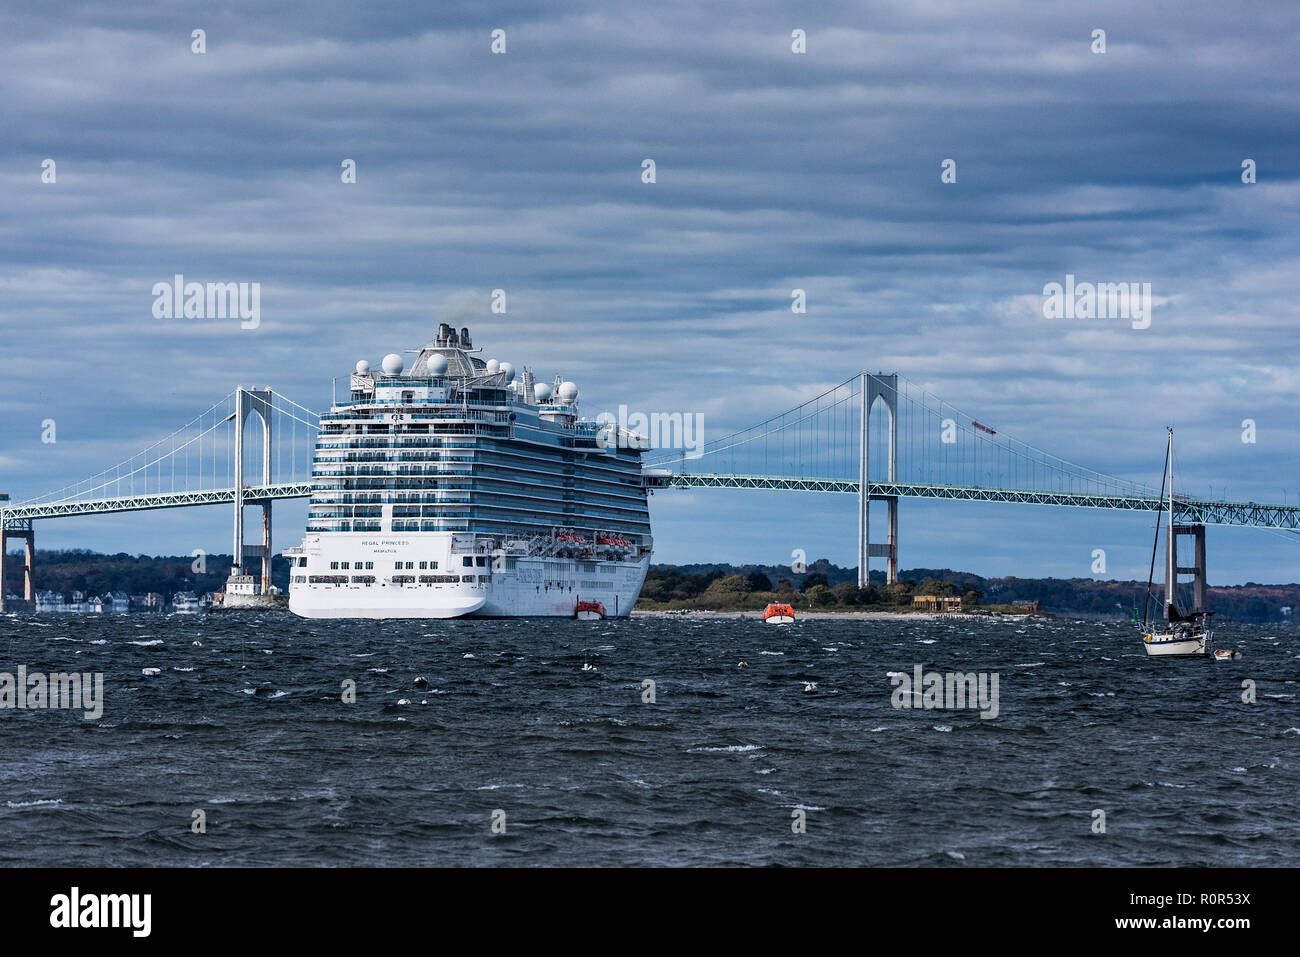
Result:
x=509 y=370
x=542 y=391
x=393 y=364
x=437 y=365
x=362 y=367
x=568 y=392
x=492 y=367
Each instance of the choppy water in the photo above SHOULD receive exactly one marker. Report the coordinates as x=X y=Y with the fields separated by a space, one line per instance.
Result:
x=251 y=728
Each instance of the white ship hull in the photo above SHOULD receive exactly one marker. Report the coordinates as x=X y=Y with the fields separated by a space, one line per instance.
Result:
x=525 y=587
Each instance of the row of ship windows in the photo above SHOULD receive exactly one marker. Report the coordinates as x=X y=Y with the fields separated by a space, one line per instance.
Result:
x=387 y=415
x=469 y=561
x=369 y=580
x=368 y=565
x=322 y=525
x=470 y=474
x=335 y=510
x=398 y=450
x=595 y=507
x=449 y=523
x=396 y=579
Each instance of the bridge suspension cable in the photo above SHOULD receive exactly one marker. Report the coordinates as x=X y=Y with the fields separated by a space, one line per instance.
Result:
x=199 y=456
x=937 y=443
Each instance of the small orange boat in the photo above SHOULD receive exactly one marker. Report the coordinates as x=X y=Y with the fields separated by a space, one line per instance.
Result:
x=778 y=614
x=589 y=611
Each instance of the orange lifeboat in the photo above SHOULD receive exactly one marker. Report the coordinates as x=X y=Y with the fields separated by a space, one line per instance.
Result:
x=778 y=614
x=589 y=611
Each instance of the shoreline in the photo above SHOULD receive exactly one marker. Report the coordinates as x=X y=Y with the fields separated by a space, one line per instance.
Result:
x=851 y=615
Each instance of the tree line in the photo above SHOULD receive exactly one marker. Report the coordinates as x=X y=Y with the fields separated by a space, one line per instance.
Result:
x=722 y=587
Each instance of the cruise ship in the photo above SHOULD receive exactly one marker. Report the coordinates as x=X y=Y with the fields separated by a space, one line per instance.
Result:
x=458 y=488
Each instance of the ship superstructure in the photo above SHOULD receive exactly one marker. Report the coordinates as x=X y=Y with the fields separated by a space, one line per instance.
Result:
x=460 y=488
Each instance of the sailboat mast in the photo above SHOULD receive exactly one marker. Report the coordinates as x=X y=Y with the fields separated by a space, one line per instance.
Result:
x=1155 y=543
x=1171 y=545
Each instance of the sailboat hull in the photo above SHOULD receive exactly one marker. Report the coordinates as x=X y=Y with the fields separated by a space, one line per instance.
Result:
x=1172 y=646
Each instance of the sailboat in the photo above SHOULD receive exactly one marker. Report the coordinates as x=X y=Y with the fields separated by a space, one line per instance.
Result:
x=1183 y=635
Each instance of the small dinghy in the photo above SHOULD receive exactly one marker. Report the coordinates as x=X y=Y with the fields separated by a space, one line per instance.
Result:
x=1223 y=654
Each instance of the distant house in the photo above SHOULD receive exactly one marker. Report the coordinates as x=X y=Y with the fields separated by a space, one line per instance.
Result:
x=242 y=585
x=185 y=601
x=1029 y=607
x=50 y=601
x=118 y=601
x=936 y=603
x=94 y=604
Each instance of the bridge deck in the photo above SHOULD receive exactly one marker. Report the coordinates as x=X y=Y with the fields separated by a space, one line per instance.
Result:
x=1188 y=511
x=139 y=503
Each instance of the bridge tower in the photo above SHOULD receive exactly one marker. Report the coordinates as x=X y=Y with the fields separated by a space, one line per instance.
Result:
x=884 y=388
x=252 y=402
x=18 y=528
x=1196 y=570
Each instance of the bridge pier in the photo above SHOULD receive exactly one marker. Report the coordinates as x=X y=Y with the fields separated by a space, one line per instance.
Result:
x=1196 y=570
x=252 y=402
x=21 y=529
x=884 y=388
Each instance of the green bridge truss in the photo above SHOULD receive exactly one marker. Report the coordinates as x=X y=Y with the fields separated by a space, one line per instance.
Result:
x=1187 y=511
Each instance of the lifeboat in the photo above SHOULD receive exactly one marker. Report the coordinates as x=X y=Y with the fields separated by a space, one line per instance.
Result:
x=778 y=614
x=589 y=611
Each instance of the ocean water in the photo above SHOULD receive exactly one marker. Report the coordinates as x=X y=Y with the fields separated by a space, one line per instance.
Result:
x=250 y=727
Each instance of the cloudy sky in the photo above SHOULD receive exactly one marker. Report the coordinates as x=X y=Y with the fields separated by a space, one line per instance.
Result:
x=774 y=171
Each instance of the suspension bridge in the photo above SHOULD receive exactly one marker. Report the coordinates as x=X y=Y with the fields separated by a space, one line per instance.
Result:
x=880 y=437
